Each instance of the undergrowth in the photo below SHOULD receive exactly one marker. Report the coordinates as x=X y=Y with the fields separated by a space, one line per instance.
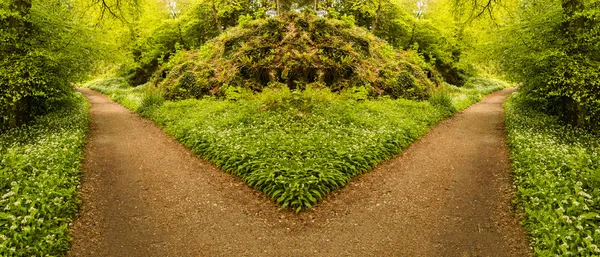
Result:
x=296 y=146
x=39 y=175
x=296 y=50
x=556 y=169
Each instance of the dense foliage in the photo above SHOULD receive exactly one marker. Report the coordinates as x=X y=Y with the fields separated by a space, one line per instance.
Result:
x=554 y=48
x=296 y=51
x=407 y=26
x=413 y=25
x=296 y=145
x=43 y=48
x=557 y=173
x=39 y=175
x=183 y=31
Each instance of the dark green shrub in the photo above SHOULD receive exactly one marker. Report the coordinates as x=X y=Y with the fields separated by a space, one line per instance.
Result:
x=43 y=48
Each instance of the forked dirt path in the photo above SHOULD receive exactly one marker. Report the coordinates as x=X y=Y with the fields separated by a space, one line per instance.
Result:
x=447 y=195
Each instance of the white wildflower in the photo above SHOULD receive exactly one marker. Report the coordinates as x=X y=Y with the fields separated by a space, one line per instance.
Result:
x=9 y=194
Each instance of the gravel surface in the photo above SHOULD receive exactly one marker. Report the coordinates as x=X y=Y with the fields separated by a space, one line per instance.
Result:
x=448 y=194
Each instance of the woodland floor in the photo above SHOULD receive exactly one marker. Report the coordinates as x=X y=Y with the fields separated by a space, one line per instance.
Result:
x=447 y=195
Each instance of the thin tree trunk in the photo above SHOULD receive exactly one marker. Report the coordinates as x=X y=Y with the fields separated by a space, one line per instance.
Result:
x=412 y=35
x=316 y=5
x=574 y=109
x=278 y=5
x=21 y=111
x=181 y=37
x=377 y=13
x=215 y=14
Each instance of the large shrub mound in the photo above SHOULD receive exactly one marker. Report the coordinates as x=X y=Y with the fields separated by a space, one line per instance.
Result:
x=296 y=50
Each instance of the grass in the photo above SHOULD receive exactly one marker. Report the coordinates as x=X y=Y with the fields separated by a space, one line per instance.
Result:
x=39 y=175
x=295 y=146
x=556 y=169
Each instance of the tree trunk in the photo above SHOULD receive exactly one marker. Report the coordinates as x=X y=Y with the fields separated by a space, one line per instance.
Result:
x=215 y=14
x=377 y=13
x=412 y=35
x=181 y=37
x=23 y=111
x=23 y=107
x=316 y=5
x=278 y=5
x=574 y=110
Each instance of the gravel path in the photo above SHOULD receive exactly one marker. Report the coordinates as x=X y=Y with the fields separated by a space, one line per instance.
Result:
x=447 y=195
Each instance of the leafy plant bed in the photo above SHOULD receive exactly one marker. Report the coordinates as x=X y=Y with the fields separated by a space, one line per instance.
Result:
x=39 y=174
x=556 y=169
x=296 y=146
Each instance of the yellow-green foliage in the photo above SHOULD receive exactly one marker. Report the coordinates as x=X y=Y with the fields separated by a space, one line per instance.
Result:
x=295 y=50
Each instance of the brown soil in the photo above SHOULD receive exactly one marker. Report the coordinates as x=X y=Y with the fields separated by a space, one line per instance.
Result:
x=447 y=195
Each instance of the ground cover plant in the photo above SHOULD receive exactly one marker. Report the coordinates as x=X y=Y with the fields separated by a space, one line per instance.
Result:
x=556 y=169
x=296 y=145
x=39 y=174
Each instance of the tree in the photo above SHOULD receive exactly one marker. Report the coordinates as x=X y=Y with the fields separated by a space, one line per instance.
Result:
x=554 y=48
x=43 y=47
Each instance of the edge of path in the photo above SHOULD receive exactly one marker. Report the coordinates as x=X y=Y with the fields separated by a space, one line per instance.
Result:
x=144 y=194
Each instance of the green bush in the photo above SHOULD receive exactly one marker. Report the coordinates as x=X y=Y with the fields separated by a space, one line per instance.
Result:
x=442 y=99
x=119 y=90
x=473 y=91
x=555 y=168
x=39 y=175
x=151 y=99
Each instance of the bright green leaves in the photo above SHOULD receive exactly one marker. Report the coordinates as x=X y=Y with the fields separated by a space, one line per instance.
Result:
x=553 y=48
x=44 y=46
x=39 y=174
x=555 y=169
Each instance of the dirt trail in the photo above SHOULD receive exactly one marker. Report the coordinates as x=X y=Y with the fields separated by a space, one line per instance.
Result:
x=447 y=195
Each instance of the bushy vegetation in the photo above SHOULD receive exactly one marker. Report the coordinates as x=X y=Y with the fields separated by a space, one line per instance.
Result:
x=43 y=48
x=119 y=90
x=552 y=46
x=188 y=30
x=296 y=145
x=39 y=175
x=296 y=50
x=431 y=31
x=556 y=169
x=473 y=91
x=413 y=28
